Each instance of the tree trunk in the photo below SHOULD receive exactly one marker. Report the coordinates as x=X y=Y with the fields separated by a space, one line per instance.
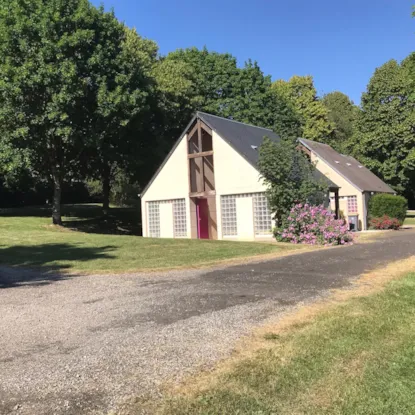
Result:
x=106 y=189
x=56 y=208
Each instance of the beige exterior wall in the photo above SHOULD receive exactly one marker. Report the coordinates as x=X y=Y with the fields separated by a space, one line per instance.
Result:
x=346 y=189
x=235 y=175
x=171 y=183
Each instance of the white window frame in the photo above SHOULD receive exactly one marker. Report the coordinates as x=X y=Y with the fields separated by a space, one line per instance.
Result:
x=228 y=207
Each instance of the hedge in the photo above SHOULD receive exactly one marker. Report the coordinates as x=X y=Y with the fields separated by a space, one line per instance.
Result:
x=386 y=204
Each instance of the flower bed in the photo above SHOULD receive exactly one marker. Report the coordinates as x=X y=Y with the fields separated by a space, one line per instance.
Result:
x=385 y=222
x=313 y=225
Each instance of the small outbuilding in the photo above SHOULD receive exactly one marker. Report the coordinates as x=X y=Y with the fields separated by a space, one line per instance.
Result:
x=357 y=183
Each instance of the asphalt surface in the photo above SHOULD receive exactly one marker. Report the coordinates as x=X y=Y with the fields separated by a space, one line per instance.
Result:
x=85 y=344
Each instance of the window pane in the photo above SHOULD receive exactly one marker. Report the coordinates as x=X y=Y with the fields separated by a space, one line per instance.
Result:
x=179 y=218
x=352 y=204
x=262 y=215
x=228 y=209
x=153 y=219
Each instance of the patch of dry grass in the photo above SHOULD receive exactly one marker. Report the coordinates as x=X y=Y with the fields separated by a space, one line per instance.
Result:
x=365 y=237
x=326 y=357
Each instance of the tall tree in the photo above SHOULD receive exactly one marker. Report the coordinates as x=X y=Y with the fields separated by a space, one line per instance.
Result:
x=342 y=114
x=173 y=103
x=385 y=128
x=220 y=87
x=46 y=48
x=121 y=104
x=314 y=118
x=213 y=76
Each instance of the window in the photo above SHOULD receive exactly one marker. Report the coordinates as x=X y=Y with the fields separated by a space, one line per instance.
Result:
x=352 y=204
x=153 y=219
x=179 y=218
x=262 y=215
x=228 y=208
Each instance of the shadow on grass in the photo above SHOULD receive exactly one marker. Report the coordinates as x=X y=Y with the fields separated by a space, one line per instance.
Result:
x=88 y=218
x=106 y=225
x=36 y=265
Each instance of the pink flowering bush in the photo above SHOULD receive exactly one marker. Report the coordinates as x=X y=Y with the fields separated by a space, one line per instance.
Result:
x=313 y=225
x=385 y=222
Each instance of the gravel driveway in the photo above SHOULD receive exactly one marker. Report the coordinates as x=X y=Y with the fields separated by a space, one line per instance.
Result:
x=84 y=344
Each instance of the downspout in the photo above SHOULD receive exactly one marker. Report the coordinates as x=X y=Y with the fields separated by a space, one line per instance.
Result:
x=364 y=222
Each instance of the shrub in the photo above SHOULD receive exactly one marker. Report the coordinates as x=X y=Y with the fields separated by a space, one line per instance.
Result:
x=385 y=204
x=313 y=225
x=385 y=222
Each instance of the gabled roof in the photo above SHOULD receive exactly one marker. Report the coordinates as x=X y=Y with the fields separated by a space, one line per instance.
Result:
x=348 y=167
x=245 y=139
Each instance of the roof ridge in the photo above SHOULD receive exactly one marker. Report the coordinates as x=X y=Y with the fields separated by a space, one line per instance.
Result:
x=227 y=119
x=317 y=142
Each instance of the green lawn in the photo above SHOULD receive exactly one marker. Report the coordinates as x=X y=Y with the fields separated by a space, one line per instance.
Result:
x=356 y=358
x=90 y=243
x=410 y=218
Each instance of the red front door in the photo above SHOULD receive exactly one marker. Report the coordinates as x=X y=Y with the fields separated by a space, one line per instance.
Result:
x=202 y=210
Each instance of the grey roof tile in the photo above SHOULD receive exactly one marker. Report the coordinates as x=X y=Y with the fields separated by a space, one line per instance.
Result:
x=348 y=167
x=244 y=138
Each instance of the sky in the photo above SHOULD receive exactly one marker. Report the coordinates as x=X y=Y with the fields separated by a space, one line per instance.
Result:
x=339 y=43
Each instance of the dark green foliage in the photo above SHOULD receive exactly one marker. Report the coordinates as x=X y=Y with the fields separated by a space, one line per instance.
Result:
x=29 y=192
x=384 y=138
x=300 y=94
x=47 y=52
x=124 y=191
x=77 y=94
x=288 y=173
x=213 y=82
x=342 y=114
x=121 y=104
x=386 y=204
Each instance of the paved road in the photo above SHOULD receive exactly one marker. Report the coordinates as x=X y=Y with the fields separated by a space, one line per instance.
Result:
x=84 y=344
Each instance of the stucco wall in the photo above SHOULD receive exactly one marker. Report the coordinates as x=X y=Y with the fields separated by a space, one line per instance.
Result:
x=172 y=182
x=346 y=189
x=235 y=175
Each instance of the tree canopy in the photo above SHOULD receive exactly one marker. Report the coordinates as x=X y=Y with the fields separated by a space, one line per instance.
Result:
x=75 y=91
x=84 y=98
x=384 y=139
x=301 y=94
x=342 y=114
x=213 y=82
x=120 y=105
x=46 y=53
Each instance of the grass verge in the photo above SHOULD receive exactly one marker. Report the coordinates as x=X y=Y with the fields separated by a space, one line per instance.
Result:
x=353 y=354
x=410 y=218
x=86 y=244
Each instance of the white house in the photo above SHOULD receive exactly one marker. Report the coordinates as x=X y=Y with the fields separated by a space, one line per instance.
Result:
x=209 y=187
